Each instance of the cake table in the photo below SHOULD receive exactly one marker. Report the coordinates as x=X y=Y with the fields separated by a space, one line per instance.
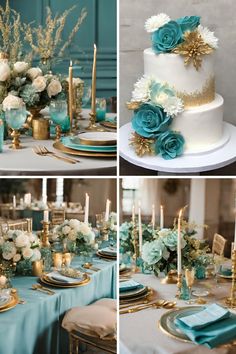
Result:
x=185 y=164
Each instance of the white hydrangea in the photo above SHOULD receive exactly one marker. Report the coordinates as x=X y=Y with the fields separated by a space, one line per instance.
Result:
x=164 y=232
x=36 y=255
x=27 y=253
x=153 y=23
x=173 y=106
x=74 y=223
x=72 y=235
x=208 y=36
x=66 y=229
x=22 y=240
x=17 y=258
x=141 y=92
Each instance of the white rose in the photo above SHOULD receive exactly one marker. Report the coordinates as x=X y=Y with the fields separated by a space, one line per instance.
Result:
x=36 y=255
x=27 y=253
x=12 y=102
x=72 y=235
x=66 y=229
x=74 y=224
x=34 y=72
x=54 y=88
x=2 y=241
x=22 y=241
x=84 y=228
x=9 y=234
x=3 y=280
x=55 y=236
x=5 y=71
x=17 y=258
x=32 y=238
x=9 y=255
x=39 y=83
x=20 y=67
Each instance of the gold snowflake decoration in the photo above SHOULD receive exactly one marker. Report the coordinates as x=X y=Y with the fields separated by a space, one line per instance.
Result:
x=133 y=105
x=141 y=145
x=193 y=48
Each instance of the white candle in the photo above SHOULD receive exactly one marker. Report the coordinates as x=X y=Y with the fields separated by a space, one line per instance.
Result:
x=161 y=217
x=14 y=201
x=107 y=212
x=133 y=213
x=71 y=94
x=46 y=216
x=21 y=202
x=93 y=98
x=235 y=223
x=153 y=216
x=140 y=229
x=29 y=198
x=179 y=259
x=86 y=208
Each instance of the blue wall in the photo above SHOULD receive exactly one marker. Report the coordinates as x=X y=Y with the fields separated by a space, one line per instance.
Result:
x=99 y=27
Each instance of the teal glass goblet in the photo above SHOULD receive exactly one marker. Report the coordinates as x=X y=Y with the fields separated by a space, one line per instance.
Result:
x=15 y=118
x=59 y=115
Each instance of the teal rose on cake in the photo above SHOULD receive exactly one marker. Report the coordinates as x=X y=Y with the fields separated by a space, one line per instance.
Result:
x=167 y=37
x=150 y=121
x=169 y=145
x=188 y=23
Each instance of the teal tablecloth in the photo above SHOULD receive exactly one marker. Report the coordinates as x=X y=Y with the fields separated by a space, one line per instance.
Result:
x=35 y=328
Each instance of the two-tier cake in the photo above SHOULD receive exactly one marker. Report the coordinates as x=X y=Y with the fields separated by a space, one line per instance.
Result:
x=176 y=109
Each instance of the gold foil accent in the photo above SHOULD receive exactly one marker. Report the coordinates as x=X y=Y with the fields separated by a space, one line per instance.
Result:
x=133 y=105
x=198 y=98
x=141 y=145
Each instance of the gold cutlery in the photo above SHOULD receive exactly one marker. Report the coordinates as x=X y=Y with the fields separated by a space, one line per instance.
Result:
x=21 y=301
x=42 y=289
x=166 y=305
x=142 y=302
x=90 y=266
x=43 y=151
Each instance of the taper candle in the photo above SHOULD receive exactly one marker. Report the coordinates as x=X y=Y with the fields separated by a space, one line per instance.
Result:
x=86 y=208
x=71 y=94
x=107 y=212
x=161 y=217
x=140 y=229
x=46 y=216
x=14 y=202
x=153 y=216
x=133 y=213
x=94 y=74
x=235 y=222
x=179 y=257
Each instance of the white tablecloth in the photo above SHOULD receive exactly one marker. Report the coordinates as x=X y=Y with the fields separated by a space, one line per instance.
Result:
x=26 y=162
x=139 y=332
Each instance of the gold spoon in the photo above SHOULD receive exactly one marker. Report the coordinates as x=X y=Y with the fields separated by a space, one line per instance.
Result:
x=42 y=289
x=88 y=265
x=156 y=305
x=158 y=302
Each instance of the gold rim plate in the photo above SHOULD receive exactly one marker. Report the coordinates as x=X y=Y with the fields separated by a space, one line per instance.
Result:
x=137 y=298
x=109 y=125
x=125 y=295
x=46 y=280
x=167 y=321
x=106 y=256
x=10 y=305
x=59 y=146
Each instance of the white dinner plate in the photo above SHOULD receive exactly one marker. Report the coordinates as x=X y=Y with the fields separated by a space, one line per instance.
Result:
x=96 y=138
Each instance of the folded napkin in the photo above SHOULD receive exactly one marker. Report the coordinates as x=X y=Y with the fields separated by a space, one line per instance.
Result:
x=226 y=271
x=4 y=299
x=129 y=285
x=59 y=277
x=210 y=327
x=111 y=251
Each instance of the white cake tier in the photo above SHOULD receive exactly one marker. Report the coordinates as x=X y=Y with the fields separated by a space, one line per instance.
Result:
x=194 y=87
x=201 y=127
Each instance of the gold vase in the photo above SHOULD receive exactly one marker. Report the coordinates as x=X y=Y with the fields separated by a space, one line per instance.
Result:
x=39 y=125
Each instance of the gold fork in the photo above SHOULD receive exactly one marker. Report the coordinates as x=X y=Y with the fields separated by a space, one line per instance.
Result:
x=42 y=152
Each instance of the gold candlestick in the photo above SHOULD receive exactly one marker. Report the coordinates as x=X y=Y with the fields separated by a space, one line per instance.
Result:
x=136 y=246
x=179 y=285
x=45 y=234
x=71 y=96
x=231 y=300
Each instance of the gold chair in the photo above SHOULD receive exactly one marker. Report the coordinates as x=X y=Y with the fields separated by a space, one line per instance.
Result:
x=5 y=210
x=21 y=224
x=75 y=338
x=57 y=216
x=218 y=245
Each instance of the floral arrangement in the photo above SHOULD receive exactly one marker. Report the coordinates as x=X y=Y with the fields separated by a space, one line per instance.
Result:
x=155 y=105
x=21 y=83
x=127 y=236
x=160 y=255
x=184 y=36
x=17 y=246
x=76 y=232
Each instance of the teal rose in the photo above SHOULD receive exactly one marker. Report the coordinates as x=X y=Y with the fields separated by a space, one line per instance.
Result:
x=188 y=23
x=169 y=145
x=154 y=251
x=171 y=240
x=150 y=121
x=167 y=37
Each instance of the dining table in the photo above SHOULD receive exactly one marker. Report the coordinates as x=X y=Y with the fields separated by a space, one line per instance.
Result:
x=25 y=161
x=34 y=326
x=140 y=332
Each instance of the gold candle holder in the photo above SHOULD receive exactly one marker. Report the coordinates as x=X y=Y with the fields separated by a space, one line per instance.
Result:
x=58 y=133
x=136 y=246
x=67 y=259
x=231 y=300
x=41 y=129
x=179 y=285
x=45 y=234
x=15 y=140
x=57 y=260
x=37 y=268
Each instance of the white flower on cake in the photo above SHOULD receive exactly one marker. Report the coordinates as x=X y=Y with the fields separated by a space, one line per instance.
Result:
x=34 y=72
x=173 y=106
x=208 y=36
x=153 y=23
x=17 y=258
x=27 y=253
x=141 y=92
x=22 y=240
x=39 y=83
x=54 y=88
x=20 y=67
x=5 y=71
x=12 y=102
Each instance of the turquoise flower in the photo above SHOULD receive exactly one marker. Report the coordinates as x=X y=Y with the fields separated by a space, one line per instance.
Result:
x=188 y=23
x=169 y=145
x=149 y=121
x=159 y=91
x=167 y=37
x=125 y=231
x=171 y=240
x=154 y=251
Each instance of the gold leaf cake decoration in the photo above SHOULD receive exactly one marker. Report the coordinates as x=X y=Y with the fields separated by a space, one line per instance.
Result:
x=193 y=48
x=133 y=105
x=141 y=145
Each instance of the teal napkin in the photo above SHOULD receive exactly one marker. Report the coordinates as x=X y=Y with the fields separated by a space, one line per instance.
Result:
x=129 y=285
x=225 y=271
x=210 y=327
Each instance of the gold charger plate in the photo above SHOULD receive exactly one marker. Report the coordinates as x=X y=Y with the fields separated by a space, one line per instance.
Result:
x=59 y=146
x=12 y=303
x=46 y=280
x=102 y=255
x=109 y=125
x=130 y=294
x=137 y=298
x=167 y=321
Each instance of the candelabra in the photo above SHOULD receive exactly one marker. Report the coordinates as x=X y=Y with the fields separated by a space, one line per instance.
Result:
x=231 y=300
